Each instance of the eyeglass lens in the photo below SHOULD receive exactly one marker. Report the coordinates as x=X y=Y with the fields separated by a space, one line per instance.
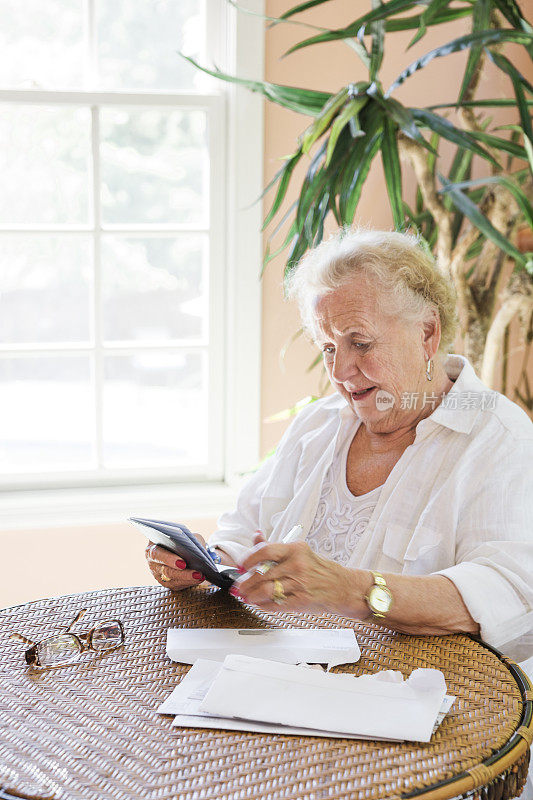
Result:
x=61 y=649
x=107 y=635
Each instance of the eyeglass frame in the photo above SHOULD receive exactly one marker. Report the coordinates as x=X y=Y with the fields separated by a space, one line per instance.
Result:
x=84 y=640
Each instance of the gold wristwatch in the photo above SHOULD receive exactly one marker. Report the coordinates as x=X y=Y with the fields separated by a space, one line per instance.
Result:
x=379 y=598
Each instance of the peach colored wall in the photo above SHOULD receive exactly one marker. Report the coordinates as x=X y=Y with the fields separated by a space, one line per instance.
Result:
x=328 y=67
x=54 y=561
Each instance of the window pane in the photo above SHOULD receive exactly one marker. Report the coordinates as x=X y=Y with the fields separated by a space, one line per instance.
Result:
x=46 y=419
x=44 y=288
x=44 y=162
x=155 y=409
x=138 y=44
x=154 y=166
x=41 y=44
x=154 y=289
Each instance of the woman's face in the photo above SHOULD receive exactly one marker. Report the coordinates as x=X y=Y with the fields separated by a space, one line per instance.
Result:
x=371 y=356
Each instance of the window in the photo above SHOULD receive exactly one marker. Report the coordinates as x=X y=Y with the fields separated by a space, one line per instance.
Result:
x=120 y=253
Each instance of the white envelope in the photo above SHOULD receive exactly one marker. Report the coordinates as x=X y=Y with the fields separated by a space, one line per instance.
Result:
x=184 y=703
x=331 y=646
x=226 y=724
x=282 y=694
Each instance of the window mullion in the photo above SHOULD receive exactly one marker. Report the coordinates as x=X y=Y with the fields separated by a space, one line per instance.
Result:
x=91 y=54
x=98 y=365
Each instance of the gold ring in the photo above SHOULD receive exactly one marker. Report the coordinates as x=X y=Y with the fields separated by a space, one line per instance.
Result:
x=263 y=568
x=279 y=596
x=163 y=575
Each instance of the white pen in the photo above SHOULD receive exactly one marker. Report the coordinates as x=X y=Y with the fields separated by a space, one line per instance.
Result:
x=293 y=535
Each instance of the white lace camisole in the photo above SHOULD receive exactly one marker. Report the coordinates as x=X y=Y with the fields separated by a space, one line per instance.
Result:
x=341 y=517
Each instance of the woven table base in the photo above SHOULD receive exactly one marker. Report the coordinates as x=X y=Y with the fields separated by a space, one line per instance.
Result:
x=90 y=730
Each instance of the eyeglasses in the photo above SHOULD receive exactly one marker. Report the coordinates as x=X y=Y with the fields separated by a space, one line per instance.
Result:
x=66 y=647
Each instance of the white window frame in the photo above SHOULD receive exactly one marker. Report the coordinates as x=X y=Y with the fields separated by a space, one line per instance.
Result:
x=236 y=140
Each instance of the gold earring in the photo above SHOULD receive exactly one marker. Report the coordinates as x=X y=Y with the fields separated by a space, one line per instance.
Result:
x=429 y=369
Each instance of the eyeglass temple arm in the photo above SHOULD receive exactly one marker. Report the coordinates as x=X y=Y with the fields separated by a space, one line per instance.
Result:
x=78 y=616
x=18 y=637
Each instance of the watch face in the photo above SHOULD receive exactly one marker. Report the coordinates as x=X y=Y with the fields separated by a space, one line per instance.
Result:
x=380 y=599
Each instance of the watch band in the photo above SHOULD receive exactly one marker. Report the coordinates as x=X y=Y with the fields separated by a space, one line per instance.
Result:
x=379 y=579
x=379 y=598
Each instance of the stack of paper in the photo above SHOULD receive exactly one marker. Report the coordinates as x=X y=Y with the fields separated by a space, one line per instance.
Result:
x=265 y=696
x=287 y=645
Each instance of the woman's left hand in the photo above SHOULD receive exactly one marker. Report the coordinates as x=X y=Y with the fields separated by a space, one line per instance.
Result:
x=309 y=582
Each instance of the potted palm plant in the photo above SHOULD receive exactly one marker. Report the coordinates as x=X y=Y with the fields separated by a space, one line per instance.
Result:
x=473 y=225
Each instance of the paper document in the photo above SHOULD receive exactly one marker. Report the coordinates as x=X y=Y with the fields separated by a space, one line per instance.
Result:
x=186 y=702
x=287 y=645
x=266 y=691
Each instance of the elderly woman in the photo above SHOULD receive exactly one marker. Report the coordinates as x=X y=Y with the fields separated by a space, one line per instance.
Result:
x=412 y=481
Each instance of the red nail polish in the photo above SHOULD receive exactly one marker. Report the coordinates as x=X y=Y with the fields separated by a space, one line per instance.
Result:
x=234 y=591
x=241 y=570
x=198 y=576
x=180 y=563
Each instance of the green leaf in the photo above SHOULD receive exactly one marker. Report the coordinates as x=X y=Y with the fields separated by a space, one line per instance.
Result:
x=462 y=43
x=497 y=102
x=317 y=196
x=506 y=66
x=459 y=171
x=393 y=172
x=432 y=11
x=515 y=137
x=272 y=182
x=419 y=200
x=319 y=215
x=350 y=181
x=304 y=101
x=287 y=413
x=383 y=12
x=400 y=114
x=353 y=193
x=283 y=185
x=471 y=210
x=434 y=152
x=409 y=23
x=360 y=50
x=519 y=82
x=498 y=143
x=462 y=161
x=448 y=131
x=283 y=220
x=480 y=22
x=298 y=248
x=315 y=362
x=269 y=256
x=324 y=119
x=517 y=129
x=275 y=20
x=520 y=197
x=288 y=238
x=423 y=223
x=347 y=115
x=377 y=29
x=511 y=11
x=302 y=7
x=473 y=252
x=313 y=181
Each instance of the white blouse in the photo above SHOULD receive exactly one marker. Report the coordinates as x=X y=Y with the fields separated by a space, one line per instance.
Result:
x=341 y=517
x=458 y=502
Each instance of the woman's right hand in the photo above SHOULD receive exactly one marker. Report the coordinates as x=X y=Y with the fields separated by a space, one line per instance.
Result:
x=170 y=570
